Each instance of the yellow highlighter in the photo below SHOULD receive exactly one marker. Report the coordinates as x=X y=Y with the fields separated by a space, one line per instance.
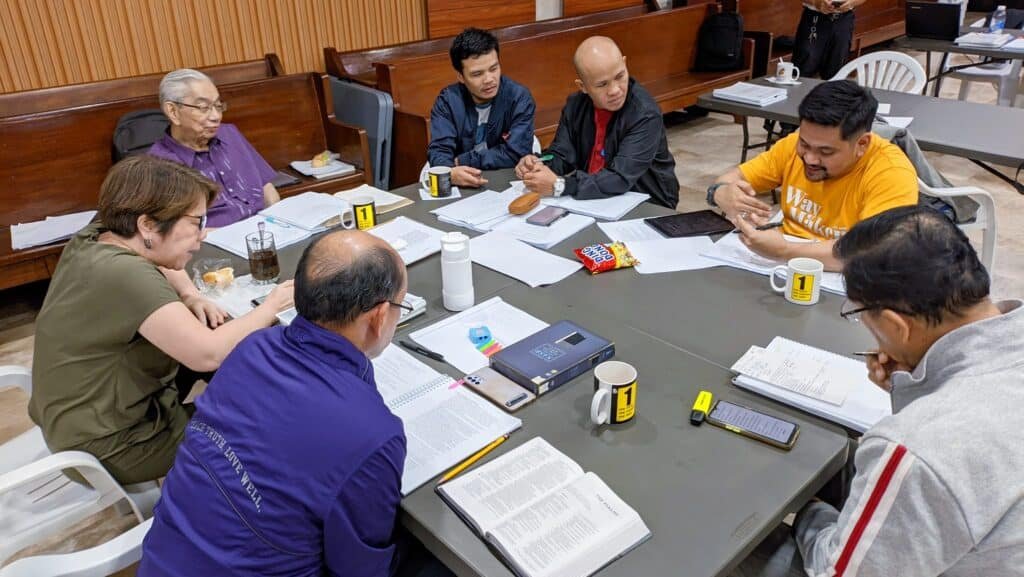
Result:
x=701 y=406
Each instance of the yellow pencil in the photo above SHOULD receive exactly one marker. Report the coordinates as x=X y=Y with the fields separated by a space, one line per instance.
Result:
x=476 y=457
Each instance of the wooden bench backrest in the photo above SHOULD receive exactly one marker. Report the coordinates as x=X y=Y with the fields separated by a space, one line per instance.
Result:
x=360 y=63
x=782 y=18
x=544 y=63
x=54 y=162
x=87 y=93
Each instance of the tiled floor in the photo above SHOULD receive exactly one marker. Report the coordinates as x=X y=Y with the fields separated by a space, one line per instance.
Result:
x=704 y=148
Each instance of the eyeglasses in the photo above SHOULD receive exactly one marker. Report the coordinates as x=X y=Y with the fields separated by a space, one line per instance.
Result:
x=202 y=219
x=853 y=314
x=402 y=306
x=205 y=107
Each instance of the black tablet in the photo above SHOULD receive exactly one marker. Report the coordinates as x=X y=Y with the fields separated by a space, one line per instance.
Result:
x=698 y=223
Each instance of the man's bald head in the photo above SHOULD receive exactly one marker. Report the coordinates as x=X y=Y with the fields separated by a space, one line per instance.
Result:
x=602 y=72
x=595 y=52
x=344 y=274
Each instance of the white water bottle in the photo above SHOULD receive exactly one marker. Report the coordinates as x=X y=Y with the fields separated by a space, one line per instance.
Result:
x=456 y=272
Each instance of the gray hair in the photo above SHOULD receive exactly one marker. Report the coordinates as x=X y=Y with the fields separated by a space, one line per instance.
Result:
x=175 y=85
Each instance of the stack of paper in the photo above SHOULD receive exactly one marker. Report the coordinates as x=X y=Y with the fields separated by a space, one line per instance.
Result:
x=729 y=250
x=509 y=256
x=819 y=382
x=413 y=240
x=611 y=208
x=450 y=336
x=488 y=211
x=52 y=229
x=983 y=40
x=1015 y=46
x=383 y=201
x=629 y=230
x=232 y=237
x=309 y=210
x=748 y=93
x=444 y=423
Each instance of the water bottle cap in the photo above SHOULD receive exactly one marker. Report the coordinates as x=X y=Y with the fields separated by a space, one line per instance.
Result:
x=454 y=237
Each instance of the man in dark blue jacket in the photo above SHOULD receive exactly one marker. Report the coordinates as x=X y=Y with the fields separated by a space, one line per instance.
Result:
x=292 y=463
x=483 y=121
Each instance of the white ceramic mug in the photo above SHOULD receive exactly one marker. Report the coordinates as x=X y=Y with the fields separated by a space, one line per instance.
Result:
x=614 y=401
x=437 y=180
x=803 y=280
x=787 y=72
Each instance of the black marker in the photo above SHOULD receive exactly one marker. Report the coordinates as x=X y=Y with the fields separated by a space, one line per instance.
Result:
x=421 y=350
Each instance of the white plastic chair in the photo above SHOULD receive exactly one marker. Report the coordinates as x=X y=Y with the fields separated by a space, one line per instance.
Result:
x=985 y=218
x=37 y=499
x=1004 y=75
x=886 y=70
x=99 y=561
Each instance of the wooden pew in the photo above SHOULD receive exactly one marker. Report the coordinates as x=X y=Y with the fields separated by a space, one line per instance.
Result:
x=87 y=93
x=54 y=162
x=660 y=61
x=875 y=22
x=358 y=65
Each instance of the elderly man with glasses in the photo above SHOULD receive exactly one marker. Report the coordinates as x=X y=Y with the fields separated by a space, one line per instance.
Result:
x=198 y=139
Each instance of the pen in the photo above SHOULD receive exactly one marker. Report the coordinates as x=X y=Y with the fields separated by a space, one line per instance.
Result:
x=701 y=405
x=867 y=353
x=546 y=157
x=514 y=401
x=421 y=350
x=476 y=457
x=279 y=223
x=768 y=226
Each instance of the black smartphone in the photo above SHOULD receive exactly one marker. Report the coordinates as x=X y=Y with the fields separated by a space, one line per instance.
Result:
x=754 y=424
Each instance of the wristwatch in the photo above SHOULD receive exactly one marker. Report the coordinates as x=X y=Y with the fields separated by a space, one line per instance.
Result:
x=711 y=193
x=559 y=187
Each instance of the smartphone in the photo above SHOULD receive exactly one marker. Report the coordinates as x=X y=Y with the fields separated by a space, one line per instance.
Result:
x=754 y=424
x=547 y=215
x=501 y=391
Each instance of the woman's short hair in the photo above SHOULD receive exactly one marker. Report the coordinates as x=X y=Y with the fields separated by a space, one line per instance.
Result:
x=143 y=185
x=175 y=86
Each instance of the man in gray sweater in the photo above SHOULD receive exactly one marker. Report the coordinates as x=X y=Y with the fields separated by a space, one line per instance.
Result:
x=938 y=488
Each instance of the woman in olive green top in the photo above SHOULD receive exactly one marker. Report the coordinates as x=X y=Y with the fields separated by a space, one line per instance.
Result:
x=121 y=314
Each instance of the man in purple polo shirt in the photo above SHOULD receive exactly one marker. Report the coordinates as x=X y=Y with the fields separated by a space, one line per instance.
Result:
x=292 y=463
x=196 y=138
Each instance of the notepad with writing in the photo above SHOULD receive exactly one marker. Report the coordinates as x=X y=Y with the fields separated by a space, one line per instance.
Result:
x=822 y=383
x=544 y=514
x=444 y=423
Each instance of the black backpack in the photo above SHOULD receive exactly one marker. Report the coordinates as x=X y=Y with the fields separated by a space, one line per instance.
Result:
x=137 y=131
x=720 y=43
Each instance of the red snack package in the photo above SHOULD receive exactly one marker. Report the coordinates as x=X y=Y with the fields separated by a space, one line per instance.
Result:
x=601 y=257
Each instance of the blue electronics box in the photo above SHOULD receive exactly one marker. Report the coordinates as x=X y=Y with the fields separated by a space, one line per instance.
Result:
x=552 y=357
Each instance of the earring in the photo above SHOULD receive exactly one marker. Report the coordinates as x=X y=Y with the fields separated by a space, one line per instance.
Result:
x=147 y=243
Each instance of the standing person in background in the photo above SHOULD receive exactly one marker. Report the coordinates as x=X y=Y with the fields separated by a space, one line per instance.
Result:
x=823 y=37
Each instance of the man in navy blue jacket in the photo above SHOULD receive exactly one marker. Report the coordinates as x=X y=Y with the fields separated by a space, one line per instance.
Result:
x=292 y=463
x=484 y=121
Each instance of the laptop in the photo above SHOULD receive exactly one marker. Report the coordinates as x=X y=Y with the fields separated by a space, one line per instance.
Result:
x=933 y=20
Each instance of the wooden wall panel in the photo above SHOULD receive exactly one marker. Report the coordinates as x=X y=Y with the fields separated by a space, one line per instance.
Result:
x=449 y=17
x=55 y=42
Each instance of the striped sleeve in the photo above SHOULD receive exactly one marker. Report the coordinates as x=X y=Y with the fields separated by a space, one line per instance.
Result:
x=900 y=519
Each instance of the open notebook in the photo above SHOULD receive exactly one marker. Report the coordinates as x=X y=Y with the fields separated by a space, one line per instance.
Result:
x=822 y=383
x=544 y=514
x=443 y=424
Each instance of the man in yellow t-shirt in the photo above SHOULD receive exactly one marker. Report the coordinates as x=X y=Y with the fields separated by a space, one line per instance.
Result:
x=832 y=173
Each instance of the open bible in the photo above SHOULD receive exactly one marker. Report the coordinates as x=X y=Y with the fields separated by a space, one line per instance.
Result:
x=544 y=514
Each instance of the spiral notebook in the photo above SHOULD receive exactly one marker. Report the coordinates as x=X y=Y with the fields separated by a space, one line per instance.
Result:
x=444 y=422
